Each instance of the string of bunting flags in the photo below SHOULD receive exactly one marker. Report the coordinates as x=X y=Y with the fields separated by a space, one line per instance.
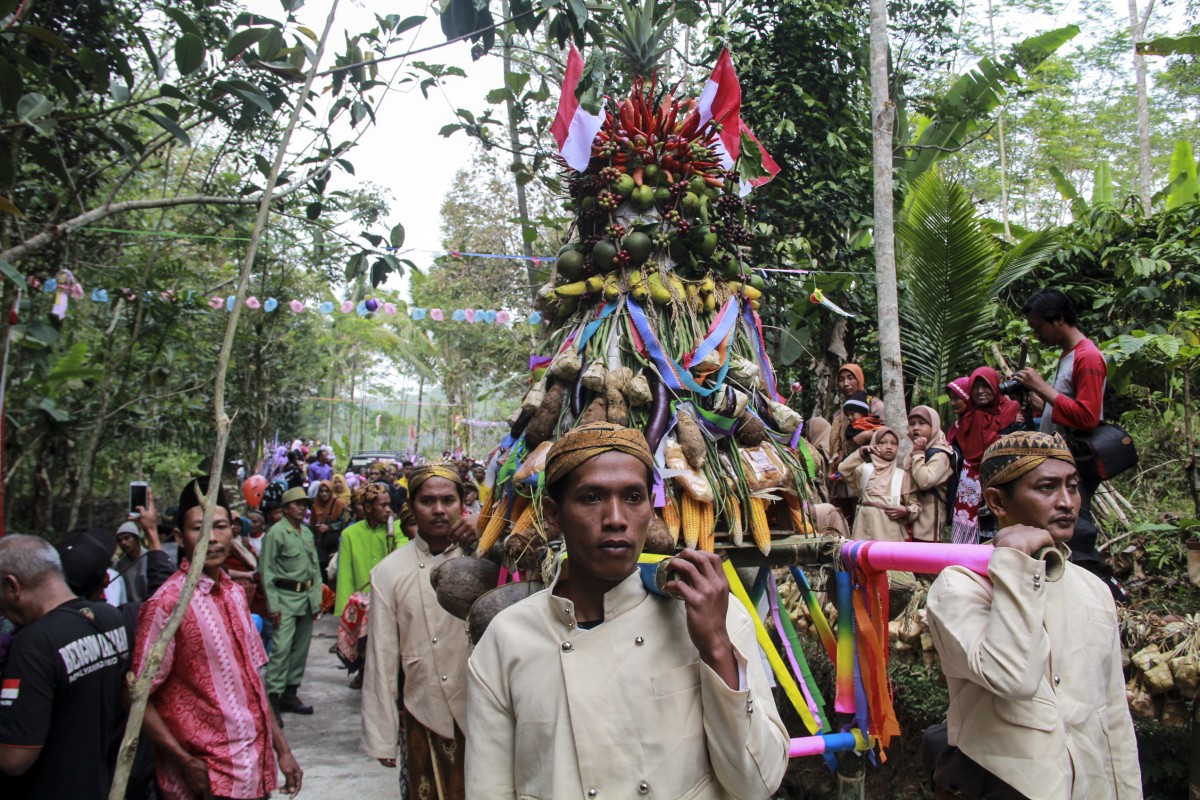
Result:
x=65 y=288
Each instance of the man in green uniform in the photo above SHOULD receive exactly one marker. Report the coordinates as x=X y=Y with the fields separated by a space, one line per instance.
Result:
x=292 y=580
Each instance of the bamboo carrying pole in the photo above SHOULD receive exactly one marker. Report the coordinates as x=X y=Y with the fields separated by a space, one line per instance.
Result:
x=140 y=687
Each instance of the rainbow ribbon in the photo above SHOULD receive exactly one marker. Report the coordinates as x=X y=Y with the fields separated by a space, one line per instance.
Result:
x=795 y=654
x=844 y=701
x=593 y=326
x=718 y=333
x=817 y=613
x=677 y=378
x=764 y=641
x=751 y=318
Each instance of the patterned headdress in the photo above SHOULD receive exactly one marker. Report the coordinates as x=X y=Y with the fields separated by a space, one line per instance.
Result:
x=427 y=471
x=373 y=490
x=1013 y=455
x=588 y=441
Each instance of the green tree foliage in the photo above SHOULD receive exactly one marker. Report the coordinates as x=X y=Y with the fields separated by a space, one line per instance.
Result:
x=152 y=122
x=952 y=270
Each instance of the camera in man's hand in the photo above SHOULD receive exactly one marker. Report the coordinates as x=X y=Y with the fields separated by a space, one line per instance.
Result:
x=1012 y=388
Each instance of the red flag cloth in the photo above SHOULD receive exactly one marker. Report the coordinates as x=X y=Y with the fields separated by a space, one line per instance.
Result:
x=574 y=129
x=721 y=101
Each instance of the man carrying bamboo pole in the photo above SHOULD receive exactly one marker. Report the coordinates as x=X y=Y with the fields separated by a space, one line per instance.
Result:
x=1032 y=652
x=596 y=688
x=416 y=650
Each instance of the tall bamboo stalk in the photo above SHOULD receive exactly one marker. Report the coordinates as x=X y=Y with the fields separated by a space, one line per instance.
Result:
x=141 y=686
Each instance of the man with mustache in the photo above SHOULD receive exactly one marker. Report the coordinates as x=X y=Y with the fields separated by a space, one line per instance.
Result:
x=416 y=650
x=596 y=688
x=1032 y=652
x=208 y=713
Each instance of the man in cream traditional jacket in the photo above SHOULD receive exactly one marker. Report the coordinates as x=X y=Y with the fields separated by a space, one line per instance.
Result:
x=597 y=688
x=1032 y=653
x=410 y=633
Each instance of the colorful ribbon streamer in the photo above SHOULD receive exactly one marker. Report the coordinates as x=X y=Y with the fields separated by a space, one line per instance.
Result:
x=675 y=376
x=764 y=641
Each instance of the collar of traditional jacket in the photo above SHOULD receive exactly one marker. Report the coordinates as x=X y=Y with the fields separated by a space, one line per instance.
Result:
x=423 y=547
x=623 y=597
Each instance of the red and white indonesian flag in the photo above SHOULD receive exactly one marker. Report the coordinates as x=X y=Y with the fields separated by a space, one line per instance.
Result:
x=721 y=100
x=574 y=128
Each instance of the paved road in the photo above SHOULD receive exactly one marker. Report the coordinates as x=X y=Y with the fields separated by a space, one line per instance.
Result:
x=326 y=744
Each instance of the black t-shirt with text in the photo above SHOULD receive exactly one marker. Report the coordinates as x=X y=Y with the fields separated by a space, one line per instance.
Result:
x=60 y=691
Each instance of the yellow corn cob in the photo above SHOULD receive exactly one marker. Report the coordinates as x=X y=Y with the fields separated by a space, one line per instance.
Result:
x=498 y=524
x=733 y=511
x=708 y=527
x=802 y=525
x=485 y=510
x=758 y=524
x=691 y=521
x=491 y=534
x=670 y=515
x=526 y=521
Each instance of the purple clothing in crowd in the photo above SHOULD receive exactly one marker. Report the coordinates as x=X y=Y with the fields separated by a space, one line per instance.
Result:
x=319 y=472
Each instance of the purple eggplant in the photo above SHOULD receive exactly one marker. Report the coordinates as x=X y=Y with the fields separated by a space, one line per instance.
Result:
x=660 y=411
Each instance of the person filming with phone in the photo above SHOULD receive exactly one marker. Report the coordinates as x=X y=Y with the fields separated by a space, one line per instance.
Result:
x=1074 y=397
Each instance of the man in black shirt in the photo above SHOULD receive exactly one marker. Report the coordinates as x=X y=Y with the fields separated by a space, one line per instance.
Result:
x=60 y=689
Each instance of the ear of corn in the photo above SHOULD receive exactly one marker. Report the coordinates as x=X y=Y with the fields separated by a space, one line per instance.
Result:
x=498 y=523
x=799 y=522
x=691 y=522
x=708 y=526
x=802 y=525
x=491 y=534
x=670 y=515
x=485 y=509
x=733 y=510
x=758 y=524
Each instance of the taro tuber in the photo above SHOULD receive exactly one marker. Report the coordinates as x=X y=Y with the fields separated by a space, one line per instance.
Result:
x=750 y=430
x=541 y=427
x=596 y=412
x=691 y=439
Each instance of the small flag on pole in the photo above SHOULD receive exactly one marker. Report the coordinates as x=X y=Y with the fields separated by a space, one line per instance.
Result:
x=574 y=128
x=721 y=101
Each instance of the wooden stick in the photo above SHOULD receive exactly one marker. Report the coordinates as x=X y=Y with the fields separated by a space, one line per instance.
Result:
x=140 y=688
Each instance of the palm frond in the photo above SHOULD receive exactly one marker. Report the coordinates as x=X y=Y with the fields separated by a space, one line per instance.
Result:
x=948 y=265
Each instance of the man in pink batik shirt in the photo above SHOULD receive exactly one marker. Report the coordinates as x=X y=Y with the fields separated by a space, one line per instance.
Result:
x=208 y=712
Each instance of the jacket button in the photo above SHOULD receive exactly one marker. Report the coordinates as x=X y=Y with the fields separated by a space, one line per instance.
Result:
x=566 y=648
x=444 y=678
x=1057 y=680
x=639 y=641
x=592 y=792
x=643 y=788
x=435 y=640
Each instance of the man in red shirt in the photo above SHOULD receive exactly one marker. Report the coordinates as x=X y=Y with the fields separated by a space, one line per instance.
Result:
x=208 y=712
x=1074 y=397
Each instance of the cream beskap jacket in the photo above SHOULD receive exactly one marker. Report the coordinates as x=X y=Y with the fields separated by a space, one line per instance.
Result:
x=625 y=710
x=1033 y=662
x=408 y=627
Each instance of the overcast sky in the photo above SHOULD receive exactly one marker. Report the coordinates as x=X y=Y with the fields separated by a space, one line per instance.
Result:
x=403 y=152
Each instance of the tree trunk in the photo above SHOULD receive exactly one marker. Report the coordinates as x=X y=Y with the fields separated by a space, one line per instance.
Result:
x=140 y=688
x=518 y=163
x=420 y=405
x=1136 y=29
x=882 y=120
x=1000 y=133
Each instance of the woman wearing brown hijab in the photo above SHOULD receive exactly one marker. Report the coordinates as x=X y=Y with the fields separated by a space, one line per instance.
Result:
x=850 y=379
